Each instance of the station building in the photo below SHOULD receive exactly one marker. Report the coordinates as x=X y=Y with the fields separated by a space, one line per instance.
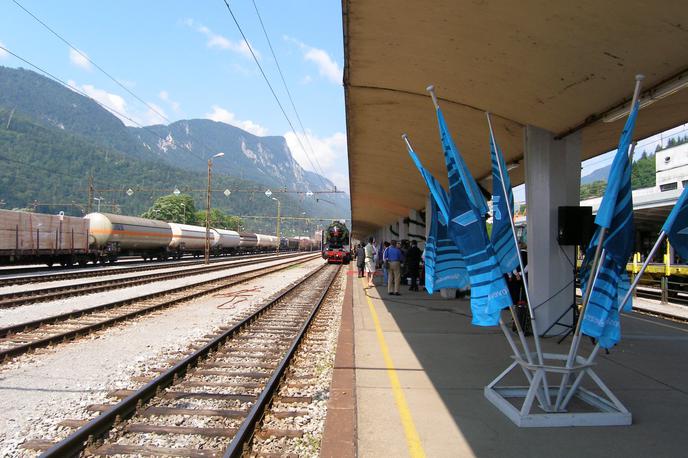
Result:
x=557 y=79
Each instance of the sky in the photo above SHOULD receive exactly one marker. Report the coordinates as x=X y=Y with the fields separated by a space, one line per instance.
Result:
x=188 y=60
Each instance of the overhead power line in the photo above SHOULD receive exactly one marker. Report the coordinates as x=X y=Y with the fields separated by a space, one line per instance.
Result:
x=286 y=88
x=102 y=70
x=84 y=94
x=272 y=90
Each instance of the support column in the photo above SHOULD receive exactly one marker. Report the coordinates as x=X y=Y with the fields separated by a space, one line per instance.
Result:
x=403 y=230
x=552 y=180
x=416 y=228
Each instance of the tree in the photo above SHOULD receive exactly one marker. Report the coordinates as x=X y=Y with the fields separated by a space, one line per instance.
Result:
x=643 y=172
x=173 y=209
x=219 y=219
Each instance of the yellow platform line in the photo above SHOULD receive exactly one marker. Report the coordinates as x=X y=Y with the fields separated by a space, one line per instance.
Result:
x=412 y=439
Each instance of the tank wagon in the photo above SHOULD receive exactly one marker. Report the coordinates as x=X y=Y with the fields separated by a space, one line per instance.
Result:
x=114 y=235
x=102 y=237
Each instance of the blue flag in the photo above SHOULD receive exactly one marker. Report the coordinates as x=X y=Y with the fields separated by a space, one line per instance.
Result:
x=451 y=152
x=444 y=265
x=676 y=225
x=502 y=235
x=467 y=207
x=438 y=193
x=615 y=214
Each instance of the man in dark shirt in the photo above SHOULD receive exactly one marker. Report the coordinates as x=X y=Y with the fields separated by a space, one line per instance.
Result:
x=413 y=256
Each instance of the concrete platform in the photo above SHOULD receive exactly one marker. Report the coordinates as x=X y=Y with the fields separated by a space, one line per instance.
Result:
x=420 y=369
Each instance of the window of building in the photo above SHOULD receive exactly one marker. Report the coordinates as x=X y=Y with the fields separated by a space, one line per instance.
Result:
x=668 y=186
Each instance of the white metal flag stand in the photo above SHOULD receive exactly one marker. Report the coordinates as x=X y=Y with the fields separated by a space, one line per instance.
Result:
x=574 y=405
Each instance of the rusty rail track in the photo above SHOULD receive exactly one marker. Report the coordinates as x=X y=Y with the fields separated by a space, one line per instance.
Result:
x=24 y=337
x=265 y=343
x=7 y=277
x=17 y=299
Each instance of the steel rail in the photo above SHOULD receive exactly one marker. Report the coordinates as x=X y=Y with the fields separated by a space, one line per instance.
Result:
x=138 y=266
x=9 y=331
x=244 y=434
x=9 y=300
x=75 y=443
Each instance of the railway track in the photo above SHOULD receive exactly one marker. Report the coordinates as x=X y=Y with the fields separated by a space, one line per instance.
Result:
x=139 y=266
x=209 y=403
x=24 y=337
x=20 y=298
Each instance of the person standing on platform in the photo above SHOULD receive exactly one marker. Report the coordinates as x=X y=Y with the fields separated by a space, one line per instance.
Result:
x=383 y=265
x=393 y=257
x=413 y=256
x=360 y=260
x=370 y=252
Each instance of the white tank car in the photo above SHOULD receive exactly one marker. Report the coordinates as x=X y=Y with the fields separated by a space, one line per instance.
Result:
x=267 y=242
x=229 y=240
x=128 y=233
x=248 y=240
x=187 y=238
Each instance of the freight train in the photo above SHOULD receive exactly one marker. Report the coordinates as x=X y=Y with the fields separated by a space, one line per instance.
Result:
x=336 y=243
x=102 y=237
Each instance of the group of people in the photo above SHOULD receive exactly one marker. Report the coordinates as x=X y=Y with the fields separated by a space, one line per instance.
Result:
x=397 y=260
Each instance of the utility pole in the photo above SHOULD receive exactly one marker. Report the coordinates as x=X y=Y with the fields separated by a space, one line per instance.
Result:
x=277 y=231
x=207 y=209
x=89 y=204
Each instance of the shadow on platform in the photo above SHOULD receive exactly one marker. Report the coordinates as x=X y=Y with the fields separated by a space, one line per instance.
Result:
x=443 y=363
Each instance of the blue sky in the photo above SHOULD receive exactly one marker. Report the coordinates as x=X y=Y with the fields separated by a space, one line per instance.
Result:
x=188 y=60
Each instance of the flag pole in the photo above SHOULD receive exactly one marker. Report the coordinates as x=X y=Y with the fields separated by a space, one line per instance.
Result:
x=636 y=280
x=536 y=334
x=514 y=348
x=594 y=269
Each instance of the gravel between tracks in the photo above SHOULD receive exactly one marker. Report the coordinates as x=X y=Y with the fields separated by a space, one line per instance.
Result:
x=29 y=312
x=163 y=268
x=38 y=391
x=315 y=361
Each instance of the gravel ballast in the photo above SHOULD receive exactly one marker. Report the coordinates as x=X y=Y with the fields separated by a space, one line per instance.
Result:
x=29 y=312
x=38 y=391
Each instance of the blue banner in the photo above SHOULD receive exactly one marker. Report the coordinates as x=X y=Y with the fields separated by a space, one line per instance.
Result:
x=502 y=235
x=467 y=207
x=676 y=226
x=451 y=152
x=615 y=215
x=444 y=265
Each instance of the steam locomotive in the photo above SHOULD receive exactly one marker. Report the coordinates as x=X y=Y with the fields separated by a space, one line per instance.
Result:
x=336 y=244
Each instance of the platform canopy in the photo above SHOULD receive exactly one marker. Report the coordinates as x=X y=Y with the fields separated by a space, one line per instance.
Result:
x=560 y=66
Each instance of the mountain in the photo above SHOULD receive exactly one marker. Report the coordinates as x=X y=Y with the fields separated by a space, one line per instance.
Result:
x=265 y=160
x=49 y=104
x=600 y=174
x=52 y=138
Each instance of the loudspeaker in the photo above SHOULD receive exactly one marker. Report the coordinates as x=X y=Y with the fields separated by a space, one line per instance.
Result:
x=575 y=225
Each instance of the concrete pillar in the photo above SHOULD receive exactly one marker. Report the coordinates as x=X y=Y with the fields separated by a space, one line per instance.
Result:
x=552 y=180
x=416 y=228
x=403 y=229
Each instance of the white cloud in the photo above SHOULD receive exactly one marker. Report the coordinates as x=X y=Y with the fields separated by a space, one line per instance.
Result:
x=222 y=115
x=79 y=60
x=330 y=153
x=165 y=96
x=154 y=115
x=327 y=66
x=218 y=41
x=110 y=100
x=3 y=54
x=307 y=79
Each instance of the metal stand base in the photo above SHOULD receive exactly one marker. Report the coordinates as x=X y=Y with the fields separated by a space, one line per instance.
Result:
x=593 y=410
